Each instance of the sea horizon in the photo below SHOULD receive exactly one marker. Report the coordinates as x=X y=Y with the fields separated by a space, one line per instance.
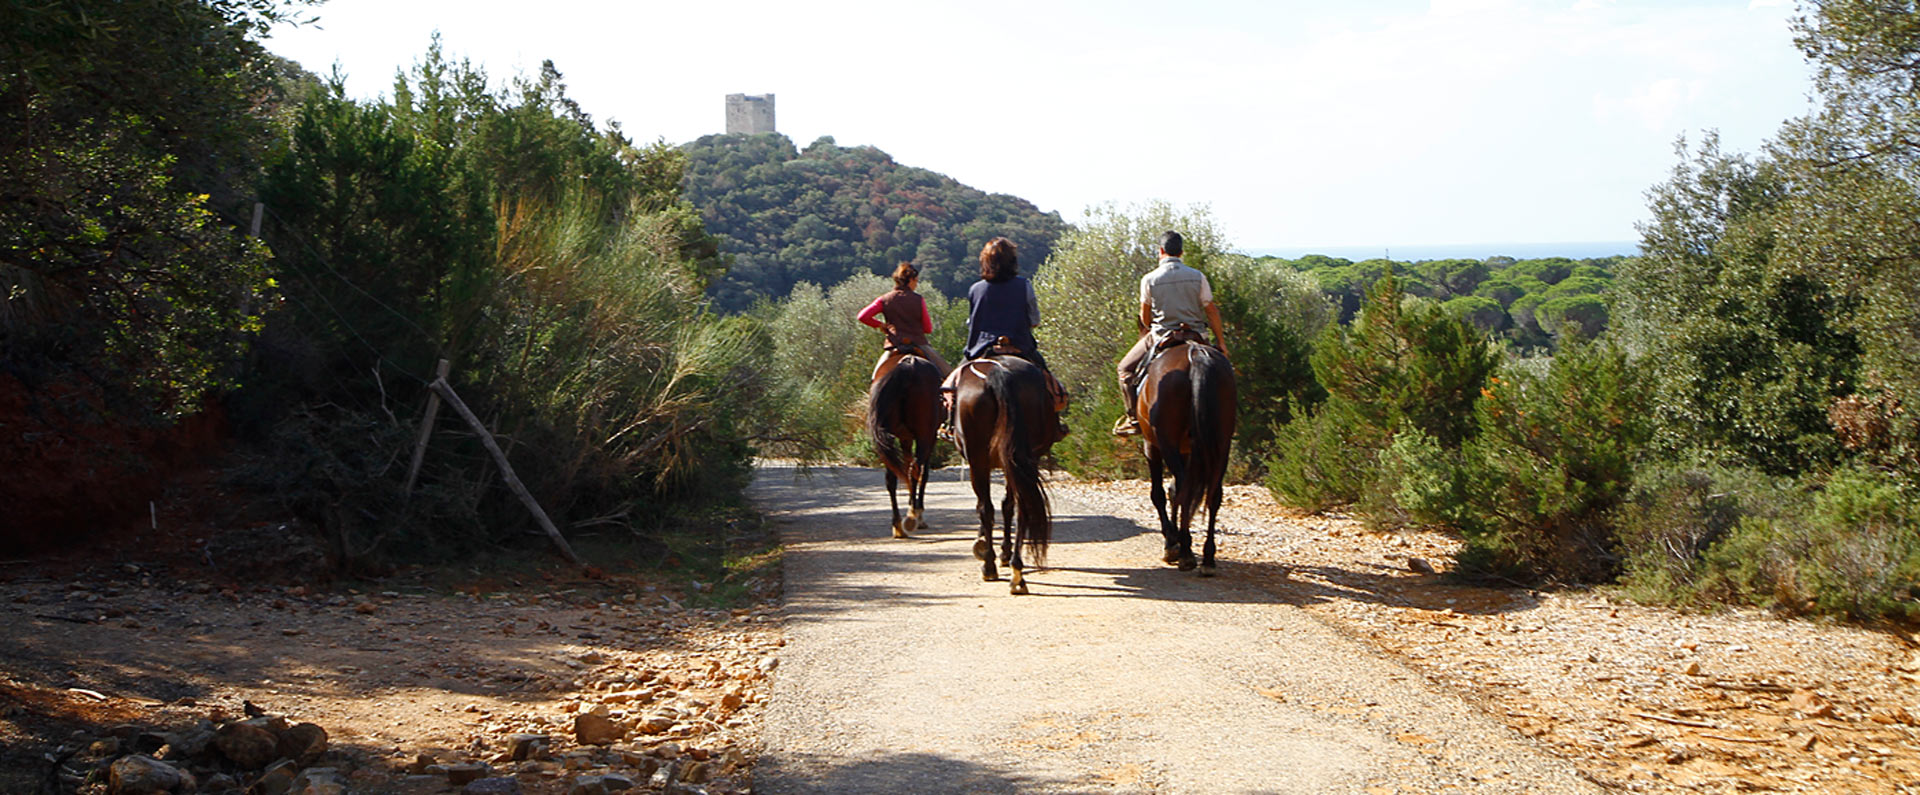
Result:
x=1481 y=251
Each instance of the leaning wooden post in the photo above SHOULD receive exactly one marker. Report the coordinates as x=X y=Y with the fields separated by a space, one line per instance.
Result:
x=426 y=427
x=446 y=393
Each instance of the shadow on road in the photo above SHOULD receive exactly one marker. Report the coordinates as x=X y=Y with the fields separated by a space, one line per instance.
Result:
x=848 y=496
x=808 y=774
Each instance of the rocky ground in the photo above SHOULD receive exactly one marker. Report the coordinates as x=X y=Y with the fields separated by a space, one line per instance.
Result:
x=564 y=687
x=1641 y=699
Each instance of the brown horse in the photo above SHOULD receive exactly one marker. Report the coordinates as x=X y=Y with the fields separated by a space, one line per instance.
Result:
x=903 y=411
x=1187 y=410
x=1004 y=418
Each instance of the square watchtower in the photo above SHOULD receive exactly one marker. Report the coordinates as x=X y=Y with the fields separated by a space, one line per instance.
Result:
x=749 y=113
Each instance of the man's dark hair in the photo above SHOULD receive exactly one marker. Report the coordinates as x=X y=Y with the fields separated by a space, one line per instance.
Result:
x=1171 y=243
x=999 y=260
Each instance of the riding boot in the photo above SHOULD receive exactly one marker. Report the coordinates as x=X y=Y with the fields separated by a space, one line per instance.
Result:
x=946 y=407
x=1128 y=425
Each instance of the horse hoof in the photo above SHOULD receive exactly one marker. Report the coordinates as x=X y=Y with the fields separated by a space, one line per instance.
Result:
x=1208 y=571
x=983 y=549
x=907 y=530
x=1187 y=563
x=1019 y=586
x=1171 y=556
x=989 y=573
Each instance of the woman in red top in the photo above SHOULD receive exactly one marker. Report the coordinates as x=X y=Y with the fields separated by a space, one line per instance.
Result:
x=907 y=321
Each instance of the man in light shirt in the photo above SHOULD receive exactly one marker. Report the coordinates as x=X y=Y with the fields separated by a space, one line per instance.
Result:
x=1171 y=296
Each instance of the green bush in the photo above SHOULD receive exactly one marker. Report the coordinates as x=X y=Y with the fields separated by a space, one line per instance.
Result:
x=551 y=263
x=1747 y=352
x=1420 y=482
x=1089 y=451
x=1405 y=364
x=1270 y=313
x=1853 y=551
x=1554 y=456
x=1317 y=464
x=1675 y=513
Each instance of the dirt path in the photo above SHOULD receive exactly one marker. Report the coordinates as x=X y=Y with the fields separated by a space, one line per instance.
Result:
x=905 y=672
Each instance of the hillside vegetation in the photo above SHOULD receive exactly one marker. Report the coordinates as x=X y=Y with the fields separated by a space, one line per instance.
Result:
x=786 y=216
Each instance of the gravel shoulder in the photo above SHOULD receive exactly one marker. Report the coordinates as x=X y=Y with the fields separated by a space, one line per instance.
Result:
x=904 y=671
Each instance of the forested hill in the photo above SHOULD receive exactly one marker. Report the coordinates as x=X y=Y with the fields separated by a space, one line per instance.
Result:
x=820 y=215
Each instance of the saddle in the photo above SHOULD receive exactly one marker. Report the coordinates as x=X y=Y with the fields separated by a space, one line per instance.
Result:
x=1183 y=335
x=1179 y=336
x=1005 y=347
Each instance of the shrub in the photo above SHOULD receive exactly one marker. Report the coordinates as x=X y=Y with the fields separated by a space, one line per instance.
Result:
x=1554 y=456
x=1746 y=352
x=1406 y=364
x=1675 y=513
x=1853 y=551
x=1270 y=314
x=1316 y=463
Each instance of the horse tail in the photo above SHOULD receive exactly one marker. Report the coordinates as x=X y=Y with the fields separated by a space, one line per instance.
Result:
x=1210 y=375
x=1022 y=396
x=885 y=403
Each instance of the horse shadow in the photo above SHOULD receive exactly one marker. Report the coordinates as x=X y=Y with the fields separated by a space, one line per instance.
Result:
x=823 y=490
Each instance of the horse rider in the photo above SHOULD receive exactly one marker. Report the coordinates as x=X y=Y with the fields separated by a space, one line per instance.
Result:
x=1172 y=296
x=907 y=321
x=1001 y=305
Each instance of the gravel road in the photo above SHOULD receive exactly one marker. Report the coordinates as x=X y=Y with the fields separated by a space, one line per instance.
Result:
x=905 y=672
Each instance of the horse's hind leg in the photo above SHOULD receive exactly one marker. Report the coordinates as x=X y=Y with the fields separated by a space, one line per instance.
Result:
x=983 y=499
x=1213 y=516
x=1186 y=503
x=893 y=497
x=1019 y=585
x=1008 y=544
x=917 y=490
x=1013 y=541
x=1157 y=469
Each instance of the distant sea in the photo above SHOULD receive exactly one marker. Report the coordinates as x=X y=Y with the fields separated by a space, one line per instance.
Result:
x=1415 y=253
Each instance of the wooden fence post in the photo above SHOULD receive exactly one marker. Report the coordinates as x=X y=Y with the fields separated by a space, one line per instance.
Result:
x=445 y=391
x=426 y=427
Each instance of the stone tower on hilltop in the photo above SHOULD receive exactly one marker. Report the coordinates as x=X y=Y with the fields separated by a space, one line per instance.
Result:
x=749 y=113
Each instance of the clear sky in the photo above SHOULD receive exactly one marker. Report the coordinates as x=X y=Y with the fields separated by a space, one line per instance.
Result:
x=1299 y=123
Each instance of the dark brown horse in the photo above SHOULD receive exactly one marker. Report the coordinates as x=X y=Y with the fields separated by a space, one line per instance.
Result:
x=1004 y=418
x=903 y=411
x=1187 y=409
